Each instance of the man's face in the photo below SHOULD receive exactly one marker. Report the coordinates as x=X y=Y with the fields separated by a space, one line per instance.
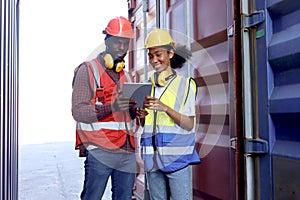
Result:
x=117 y=46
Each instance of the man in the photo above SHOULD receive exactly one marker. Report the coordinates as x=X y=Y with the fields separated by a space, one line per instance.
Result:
x=103 y=131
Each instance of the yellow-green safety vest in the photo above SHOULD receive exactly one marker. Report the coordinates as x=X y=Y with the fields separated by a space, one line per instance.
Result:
x=169 y=147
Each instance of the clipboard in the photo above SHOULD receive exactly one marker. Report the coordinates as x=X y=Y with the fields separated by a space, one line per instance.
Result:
x=137 y=91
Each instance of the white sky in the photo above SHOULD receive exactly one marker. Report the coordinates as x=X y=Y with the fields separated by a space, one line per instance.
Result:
x=55 y=37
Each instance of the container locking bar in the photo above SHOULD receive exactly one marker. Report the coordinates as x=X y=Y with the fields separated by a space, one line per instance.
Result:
x=255 y=146
x=253 y=19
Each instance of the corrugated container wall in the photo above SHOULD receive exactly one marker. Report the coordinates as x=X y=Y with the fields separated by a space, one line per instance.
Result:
x=9 y=100
x=278 y=98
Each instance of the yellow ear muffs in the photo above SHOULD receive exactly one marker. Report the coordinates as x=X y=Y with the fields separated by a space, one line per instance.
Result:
x=110 y=63
x=120 y=66
x=160 y=79
x=153 y=79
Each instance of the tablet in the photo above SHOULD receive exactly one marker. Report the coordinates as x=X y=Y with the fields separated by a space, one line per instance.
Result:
x=137 y=91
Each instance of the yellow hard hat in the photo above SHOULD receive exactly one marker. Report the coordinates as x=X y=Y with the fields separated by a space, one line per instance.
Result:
x=159 y=37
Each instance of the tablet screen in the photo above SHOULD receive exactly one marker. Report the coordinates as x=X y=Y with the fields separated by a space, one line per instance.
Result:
x=137 y=91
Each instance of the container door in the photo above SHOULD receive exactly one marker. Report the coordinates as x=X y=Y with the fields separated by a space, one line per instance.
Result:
x=215 y=67
x=217 y=77
x=275 y=73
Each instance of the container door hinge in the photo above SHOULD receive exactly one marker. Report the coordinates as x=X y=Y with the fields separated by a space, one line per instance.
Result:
x=234 y=143
x=230 y=30
x=253 y=19
x=255 y=146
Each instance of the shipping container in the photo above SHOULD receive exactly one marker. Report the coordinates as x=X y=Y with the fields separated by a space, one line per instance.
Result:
x=9 y=90
x=246 y=62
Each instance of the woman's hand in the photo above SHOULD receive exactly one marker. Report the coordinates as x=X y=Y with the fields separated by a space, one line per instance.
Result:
x=186 y=122
x=141 y=113
x=153 y=103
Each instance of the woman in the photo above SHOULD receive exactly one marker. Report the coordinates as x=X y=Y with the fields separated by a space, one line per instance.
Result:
x=168 y=140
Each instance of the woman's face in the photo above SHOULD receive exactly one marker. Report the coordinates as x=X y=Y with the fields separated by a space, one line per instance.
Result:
x=159 y=58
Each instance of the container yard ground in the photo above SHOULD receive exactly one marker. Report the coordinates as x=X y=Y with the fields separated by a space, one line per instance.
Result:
x=51 y=171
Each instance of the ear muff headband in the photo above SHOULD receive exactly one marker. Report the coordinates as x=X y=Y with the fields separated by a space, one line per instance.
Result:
x=160 y=79
x=110 y=63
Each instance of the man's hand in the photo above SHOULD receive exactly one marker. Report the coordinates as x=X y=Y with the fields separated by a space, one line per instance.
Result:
x=123 y=103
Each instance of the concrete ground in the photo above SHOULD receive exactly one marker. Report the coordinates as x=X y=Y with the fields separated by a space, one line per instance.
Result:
x=51 y=171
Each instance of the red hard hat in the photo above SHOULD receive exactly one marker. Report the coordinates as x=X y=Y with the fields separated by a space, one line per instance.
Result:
x=119 y=27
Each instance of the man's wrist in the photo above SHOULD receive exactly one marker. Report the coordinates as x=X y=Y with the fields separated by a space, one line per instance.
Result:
x=103 y=110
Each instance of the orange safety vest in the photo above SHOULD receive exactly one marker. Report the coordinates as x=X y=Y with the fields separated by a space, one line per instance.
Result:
x=111 y=132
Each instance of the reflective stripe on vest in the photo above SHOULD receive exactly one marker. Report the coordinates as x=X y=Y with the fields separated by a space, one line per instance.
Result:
x=175 y=145
x=169 y=150
x=96 y=74
x=103 y=125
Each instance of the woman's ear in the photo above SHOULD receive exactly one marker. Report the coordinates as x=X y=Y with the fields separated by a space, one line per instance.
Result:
x=171 y=53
